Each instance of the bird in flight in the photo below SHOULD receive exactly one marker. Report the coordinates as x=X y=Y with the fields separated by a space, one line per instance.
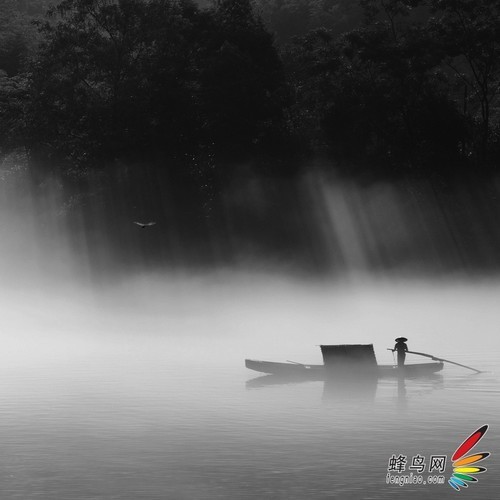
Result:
x=144 y=225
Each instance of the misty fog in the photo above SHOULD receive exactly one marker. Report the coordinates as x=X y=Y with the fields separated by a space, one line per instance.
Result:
x=129 y=382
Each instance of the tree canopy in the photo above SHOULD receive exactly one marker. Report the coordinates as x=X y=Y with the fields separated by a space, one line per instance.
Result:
x=412 y=88
x=390 y=85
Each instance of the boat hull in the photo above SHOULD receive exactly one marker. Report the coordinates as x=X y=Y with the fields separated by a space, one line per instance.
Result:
x=319 y=372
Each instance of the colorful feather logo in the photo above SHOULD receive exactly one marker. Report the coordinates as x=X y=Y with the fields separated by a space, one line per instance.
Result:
x=464 y=467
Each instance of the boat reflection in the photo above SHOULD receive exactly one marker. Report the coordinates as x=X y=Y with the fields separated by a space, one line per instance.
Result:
x=281 y=379
x=402 y=399
x=353 y=388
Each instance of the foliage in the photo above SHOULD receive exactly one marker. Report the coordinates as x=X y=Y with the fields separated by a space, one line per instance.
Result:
x=117 y=78
x=13 y=95
x=292 y=18
x=13 y=38
x=469 y=36
x=15 y=44
x=402 y=84
x=385 y=92
x=92 y=85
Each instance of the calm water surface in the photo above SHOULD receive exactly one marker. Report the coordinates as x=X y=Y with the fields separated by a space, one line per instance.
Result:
x=101 y=399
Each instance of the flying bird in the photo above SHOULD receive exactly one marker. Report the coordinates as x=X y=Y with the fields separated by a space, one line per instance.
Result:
x=144 y=225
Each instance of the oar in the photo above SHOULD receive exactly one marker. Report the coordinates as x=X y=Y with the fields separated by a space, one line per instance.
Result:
x=445 y=360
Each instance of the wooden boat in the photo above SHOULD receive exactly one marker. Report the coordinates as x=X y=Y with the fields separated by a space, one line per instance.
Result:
x=319 y=372
x=287 y=369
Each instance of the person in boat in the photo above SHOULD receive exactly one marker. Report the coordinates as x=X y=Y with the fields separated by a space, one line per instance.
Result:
x=402 y=349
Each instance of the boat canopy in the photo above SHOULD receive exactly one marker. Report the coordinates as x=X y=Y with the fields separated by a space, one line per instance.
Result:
x=352 y=355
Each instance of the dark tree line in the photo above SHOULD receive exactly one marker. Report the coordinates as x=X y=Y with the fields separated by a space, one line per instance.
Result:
x=414 y=88
x=117 y=79
x=397 y=85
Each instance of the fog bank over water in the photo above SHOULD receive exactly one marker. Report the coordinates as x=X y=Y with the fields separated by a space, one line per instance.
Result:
x=222 y=318
x=318 y=260
x=145 y=379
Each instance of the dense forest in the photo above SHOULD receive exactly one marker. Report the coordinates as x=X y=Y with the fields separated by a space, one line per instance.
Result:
x=192 y=110
x=404 y=86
